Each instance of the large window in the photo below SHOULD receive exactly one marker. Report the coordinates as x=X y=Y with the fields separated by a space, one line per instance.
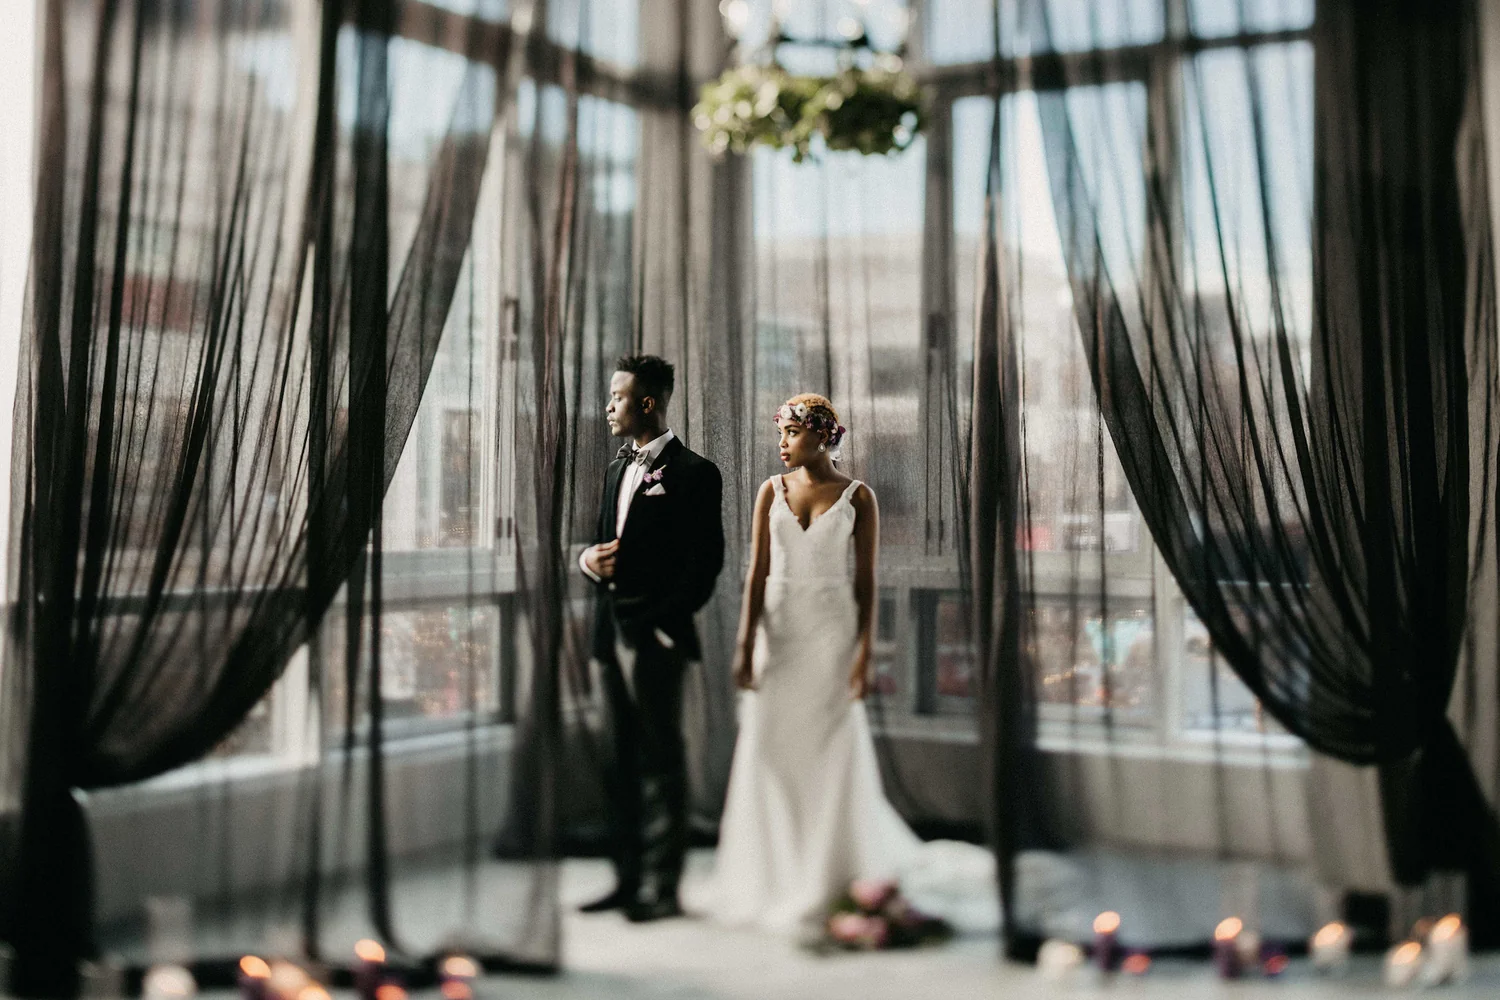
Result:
x=848 y=284
x=449 y=629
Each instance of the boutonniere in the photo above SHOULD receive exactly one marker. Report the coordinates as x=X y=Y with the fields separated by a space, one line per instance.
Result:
x=652 y=480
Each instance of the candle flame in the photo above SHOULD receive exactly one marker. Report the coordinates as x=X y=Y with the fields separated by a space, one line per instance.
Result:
x=312 y=991
x=369 y=951
x=1447 y=927
x=1229 y=929
x=1276 y=965
x=1107 y=922
x=389 y=991
x=1137 y=964
x=460 y=967
x=453 y=989
x=255 y=967
x=1406 y=954
x=170 y=981
x=1329 y=935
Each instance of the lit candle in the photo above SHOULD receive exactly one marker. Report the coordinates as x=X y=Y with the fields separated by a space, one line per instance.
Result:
x=286 y=980
x=1447 y=952
x=168 y=982
x=1248 y=945
x=1058 y=959
x=390 y=991
x=1137 y=963
x=1402 y=964
x=370 y=972
x=1329 y=949
x=1106 y=941
x=312 y=991
x=1273 y=960
x=255 y=977
x=456 y=975
x=1227 y=947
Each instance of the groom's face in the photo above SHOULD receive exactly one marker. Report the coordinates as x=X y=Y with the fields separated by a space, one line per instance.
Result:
x=623 y=412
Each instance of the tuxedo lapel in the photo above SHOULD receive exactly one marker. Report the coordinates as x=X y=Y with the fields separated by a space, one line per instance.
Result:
x=662 y=460
x=667 y=454
x=612 y=495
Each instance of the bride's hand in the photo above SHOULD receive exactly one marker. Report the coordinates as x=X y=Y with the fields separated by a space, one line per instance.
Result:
x=859 y=675
x=744 y=670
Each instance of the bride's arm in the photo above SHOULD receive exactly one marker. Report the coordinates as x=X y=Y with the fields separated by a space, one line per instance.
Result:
x=755 y=586
x=866 y=546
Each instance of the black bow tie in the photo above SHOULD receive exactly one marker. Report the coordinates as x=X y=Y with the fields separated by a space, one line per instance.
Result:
x=640 y=456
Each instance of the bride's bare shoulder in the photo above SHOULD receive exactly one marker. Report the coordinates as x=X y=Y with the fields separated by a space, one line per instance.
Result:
x=863 y=498
x=767 y=491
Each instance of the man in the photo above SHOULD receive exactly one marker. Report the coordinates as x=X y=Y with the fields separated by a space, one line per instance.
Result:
x=659 y=547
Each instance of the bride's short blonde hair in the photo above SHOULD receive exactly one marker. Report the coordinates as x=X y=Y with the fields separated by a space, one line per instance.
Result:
x=814 y=412
x=813 y=401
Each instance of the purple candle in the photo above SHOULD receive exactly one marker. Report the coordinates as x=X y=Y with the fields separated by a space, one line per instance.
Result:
x=255 y=977
x=1227 y=948
x=1106 y=941
x=369 y=972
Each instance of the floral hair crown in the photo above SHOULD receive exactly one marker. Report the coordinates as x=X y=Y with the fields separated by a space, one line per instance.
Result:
x=814 y=418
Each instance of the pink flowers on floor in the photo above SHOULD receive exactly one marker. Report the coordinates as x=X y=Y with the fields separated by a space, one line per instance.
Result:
x=855 y=930
x=871 y=894
x=873 y=916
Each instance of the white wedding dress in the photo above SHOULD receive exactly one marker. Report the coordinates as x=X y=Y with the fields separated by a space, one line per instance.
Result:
x=806 y=812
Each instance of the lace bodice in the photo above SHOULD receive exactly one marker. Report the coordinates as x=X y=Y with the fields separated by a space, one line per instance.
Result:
x=823 y=551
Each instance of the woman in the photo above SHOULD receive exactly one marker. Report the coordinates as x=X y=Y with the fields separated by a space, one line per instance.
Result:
x=805 y=813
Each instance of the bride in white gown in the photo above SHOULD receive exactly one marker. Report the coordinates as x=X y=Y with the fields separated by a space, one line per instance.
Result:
x=806 y=813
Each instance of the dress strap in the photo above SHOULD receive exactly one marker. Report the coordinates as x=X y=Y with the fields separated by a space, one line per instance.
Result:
x=778 y=486
x=848 y=493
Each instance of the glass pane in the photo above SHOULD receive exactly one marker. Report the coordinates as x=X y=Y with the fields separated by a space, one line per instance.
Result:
x=253 y=736
x=887 y=22
x=436 y=663
x=1097 y=661
x=1214 y=699
x=605 y=29
x=1261 y=100
x=888 y=648
x=1068 y=448
x=839 y=301
x=948 y=663
x=1219 y=18
x=956 y=665
x=962 y=31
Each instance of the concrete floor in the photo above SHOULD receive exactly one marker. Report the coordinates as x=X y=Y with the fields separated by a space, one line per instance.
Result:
x=690 y=959
x=606 y=958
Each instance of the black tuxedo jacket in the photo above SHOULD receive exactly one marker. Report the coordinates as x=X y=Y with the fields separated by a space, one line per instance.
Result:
x=671 y=552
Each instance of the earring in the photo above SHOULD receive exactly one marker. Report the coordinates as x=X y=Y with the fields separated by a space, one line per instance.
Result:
x=822 y=447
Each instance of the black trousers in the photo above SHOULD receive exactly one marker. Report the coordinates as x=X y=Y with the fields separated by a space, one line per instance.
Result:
x=647 y=780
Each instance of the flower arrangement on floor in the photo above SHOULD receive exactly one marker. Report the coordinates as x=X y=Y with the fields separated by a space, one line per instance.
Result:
x=874 y=110
x=874 y=916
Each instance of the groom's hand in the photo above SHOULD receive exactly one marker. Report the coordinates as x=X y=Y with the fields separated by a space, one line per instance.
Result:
x=601 y=559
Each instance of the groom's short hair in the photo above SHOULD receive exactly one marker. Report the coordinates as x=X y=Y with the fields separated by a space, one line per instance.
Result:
x=654 y=376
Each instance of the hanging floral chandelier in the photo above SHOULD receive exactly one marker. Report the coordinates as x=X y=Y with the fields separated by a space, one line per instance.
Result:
x=871 y=105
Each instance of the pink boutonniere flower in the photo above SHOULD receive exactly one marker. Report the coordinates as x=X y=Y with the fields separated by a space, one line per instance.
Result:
x=654 y=477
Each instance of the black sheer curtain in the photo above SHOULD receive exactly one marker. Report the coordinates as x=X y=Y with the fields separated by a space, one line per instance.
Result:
x=1295 y=359
x=239 y=281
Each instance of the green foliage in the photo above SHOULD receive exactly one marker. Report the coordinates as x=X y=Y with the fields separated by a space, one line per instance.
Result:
x=873 y=111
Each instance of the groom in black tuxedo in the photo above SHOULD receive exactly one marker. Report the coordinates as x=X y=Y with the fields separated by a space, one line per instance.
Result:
x=659 y=547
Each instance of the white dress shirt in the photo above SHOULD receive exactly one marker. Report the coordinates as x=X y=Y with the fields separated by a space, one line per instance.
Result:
x=630 y=481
